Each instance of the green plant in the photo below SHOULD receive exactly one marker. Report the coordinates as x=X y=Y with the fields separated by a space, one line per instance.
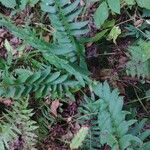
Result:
x=42 y=83
x=54 y=69
x=13 y=3
x=103 y=11
x=143 y=135
x=111 y=125
x=63 y=16
x=53 y=53
x=18 y=129
x=139 y=63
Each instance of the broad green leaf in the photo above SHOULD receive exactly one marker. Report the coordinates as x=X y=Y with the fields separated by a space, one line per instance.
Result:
x=96 y=38
x=130 y=2
x=79 y=138
x=144 y=3
x=108 y=24
x=114 y=5
x=114 y=33
x=101 y=14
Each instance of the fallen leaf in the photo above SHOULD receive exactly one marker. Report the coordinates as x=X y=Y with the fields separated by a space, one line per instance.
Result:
x=54 y=106
x=7 y=102
x=138 y=23
x=47 y=38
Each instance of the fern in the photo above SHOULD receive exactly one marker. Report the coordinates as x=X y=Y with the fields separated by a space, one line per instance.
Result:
x=13 y=3
x=45 y=121
x=51 y=52
x=18 y=127
x=62 y=14
x=139 y=63
x=43 y=83
x=89 y=116
x=143 y=135
x=111 y=126
x=7 y=133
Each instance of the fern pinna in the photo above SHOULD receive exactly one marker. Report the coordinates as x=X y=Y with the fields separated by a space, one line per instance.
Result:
x=42 y=83
x=63 y=15
x=107 y=120
x=17 y=131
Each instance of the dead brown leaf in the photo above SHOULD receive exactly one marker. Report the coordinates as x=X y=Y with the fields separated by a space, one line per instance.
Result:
x=54 y=106
x=7 y=102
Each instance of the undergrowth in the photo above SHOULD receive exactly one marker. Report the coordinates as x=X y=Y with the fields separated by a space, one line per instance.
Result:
x=50 y=90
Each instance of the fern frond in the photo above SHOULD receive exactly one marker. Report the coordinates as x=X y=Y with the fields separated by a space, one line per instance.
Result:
x=139 y=63
x=45 y=121
x=89 y=116
x=8 y=132
x=18 y=127
x=42 y=83
x=143 y=135
x=50 y=52
x=63 y=15
x=111 y=125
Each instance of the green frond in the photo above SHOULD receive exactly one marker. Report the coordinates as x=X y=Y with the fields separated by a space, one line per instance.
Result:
x=63 y=15
x=7 y=133
x=143 y=135
x=89 y=116
x=45 y=121
x=43 y=83
x=110 y=126
x=51 y=52
x=18 y=126
x=139 y=63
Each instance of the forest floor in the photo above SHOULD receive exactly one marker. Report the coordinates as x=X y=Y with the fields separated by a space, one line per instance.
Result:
x=105 y=59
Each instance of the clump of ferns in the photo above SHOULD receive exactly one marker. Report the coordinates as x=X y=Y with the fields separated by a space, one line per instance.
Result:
x=17 y=130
